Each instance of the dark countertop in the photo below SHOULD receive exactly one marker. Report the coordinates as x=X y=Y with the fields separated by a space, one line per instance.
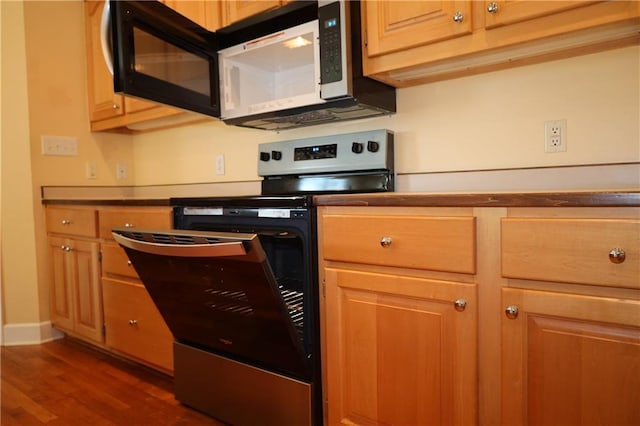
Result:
x=525 y=199
x=410 y=199
x=135 y=202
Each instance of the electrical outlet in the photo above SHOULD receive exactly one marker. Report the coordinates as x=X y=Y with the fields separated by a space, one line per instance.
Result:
x=91 y=170
x=555 y=136
x=121 y=171
x=220 y=164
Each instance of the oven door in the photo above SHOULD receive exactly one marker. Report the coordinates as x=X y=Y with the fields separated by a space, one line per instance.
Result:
x=162 y=56
x=216 y=291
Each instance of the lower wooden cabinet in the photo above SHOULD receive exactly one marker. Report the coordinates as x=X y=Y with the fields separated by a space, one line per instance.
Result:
x=134 y=327
x=570 y=359
x=76 y=298
x=400 y=350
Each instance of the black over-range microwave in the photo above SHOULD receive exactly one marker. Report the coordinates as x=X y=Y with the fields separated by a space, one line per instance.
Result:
x=298 y=65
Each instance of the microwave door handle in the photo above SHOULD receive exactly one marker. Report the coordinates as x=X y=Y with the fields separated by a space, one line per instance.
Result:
x=105 y=39
x=220 y=249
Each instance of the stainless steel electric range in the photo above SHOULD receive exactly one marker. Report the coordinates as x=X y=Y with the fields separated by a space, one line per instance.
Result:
x=237 y=282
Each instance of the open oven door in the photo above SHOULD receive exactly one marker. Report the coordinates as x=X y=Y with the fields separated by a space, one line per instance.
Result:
x=162 y=56
x=217 y=292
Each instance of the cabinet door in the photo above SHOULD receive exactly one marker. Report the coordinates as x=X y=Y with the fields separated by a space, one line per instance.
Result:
x=398 y=351
x=398 y=25
x=103 y=102
x=76 y=297
x=134 y=325
x=87 y=291
x=512 y=11
x=570 y=359
x=236 y=10
x=205 y=13
x=61 y=296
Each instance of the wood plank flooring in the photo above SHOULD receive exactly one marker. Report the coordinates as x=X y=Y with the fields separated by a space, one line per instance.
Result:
x=66 y=383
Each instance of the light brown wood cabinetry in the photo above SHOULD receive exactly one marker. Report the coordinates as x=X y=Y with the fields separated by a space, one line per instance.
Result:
x=109 y=111
x=409 y=43
x=236 y=10
x=75 y=293
x=571 y=325
x=399 y=334
x=549 y=335
x=206 y=13
x=134 y=326
x=570 y=359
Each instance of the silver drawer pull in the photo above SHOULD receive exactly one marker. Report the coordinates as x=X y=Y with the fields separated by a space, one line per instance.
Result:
x=128 y=263
x=460 y=305
x=617 y=255
x=385 y=241
x=133 y=322
x=458 y=17
x=66 y=222
x=511 y=311
x=129 y=225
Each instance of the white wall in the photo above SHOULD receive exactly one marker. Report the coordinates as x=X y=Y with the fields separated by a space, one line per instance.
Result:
x=488 y=121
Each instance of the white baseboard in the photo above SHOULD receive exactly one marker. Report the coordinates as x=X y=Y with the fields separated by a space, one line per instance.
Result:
x=29 y=333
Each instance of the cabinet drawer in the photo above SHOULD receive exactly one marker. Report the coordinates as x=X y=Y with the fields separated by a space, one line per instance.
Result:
x=147 y=218
x=436 y=243
x=134 y=326
x=72 y=221
x=116 y=262
x=572 y=250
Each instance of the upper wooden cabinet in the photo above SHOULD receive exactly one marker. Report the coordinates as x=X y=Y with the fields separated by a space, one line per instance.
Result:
x=399 y=25
x=410 y=43
x=206 y=13
x=236 y=10
x=109 y=111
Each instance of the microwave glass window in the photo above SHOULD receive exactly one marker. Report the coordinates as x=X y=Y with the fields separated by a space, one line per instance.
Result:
x=272 y=73
x=167 y=62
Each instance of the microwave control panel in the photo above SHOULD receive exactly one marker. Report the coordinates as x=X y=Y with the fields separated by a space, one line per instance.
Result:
x=330 y=33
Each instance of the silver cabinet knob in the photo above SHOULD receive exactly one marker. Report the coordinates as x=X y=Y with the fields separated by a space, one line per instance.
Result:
x=492 y=7
x=460 y=305
x=133 y=322
x=115 y=106
x=617 y=255
x=65 y=248
x=128 y=263
x=458 y=17
x=129 y=225
x=66 y=222
x=511 y=311
x=385 y=241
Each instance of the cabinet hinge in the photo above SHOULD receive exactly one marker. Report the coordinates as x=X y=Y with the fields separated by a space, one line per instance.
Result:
x=104 y=330
x=366 y=39
x=100 y=256
x=324 y=285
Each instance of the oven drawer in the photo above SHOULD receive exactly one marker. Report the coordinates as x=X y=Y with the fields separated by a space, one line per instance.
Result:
x=134 y=326
x=433 y=243
x=580 y=251
x=116 y=262
x=134 y=217
x=81 y=222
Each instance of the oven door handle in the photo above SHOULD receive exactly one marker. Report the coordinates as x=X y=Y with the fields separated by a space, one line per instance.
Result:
x=210 y=249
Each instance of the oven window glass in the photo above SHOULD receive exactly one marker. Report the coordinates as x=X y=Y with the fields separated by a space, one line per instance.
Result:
x=162 y=60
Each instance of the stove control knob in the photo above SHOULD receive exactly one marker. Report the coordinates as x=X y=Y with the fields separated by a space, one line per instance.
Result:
x=357 y=148
x=265 y=156
x=276 y=155
x=373 y=146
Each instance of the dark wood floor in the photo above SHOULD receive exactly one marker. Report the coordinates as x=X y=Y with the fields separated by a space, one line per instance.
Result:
x=66 y=383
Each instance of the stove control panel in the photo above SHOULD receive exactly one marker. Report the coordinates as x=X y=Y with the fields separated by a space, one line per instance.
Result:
x=349 y=152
